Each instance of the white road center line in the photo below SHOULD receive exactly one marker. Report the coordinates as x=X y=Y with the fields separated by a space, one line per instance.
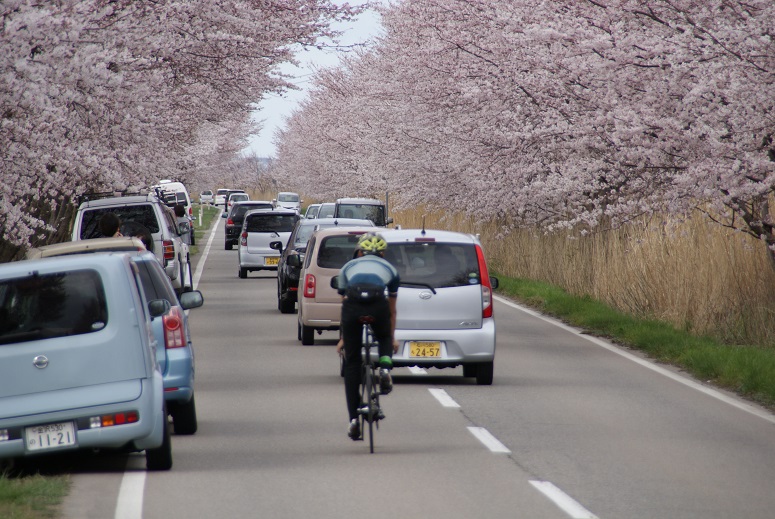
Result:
x=443 y=398
x=566 y=503
x=650 y=365
x=489 y=441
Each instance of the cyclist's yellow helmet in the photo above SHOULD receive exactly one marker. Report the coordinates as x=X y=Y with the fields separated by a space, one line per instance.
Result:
x=372 y=243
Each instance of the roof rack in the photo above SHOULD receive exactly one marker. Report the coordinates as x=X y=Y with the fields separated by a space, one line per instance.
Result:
x=86 y=197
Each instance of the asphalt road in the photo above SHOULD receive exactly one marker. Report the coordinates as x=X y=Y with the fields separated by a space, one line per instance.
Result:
x=571 y=427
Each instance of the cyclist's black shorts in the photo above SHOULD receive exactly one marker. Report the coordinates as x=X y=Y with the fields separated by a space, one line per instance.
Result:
x=351 y=327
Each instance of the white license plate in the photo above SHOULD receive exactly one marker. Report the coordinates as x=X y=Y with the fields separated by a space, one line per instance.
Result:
x=51 y=436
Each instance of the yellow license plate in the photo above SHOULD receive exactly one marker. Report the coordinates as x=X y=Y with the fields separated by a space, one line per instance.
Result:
x=271 y=261
x=424 y=349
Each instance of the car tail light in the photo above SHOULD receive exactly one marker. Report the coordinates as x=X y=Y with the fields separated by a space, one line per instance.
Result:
x=109 y=420
x=169 y=249
x=244 y=239
x=487 y=309
x=191 y=211
x=309 y=285
x=229 y=221
x=174 y=333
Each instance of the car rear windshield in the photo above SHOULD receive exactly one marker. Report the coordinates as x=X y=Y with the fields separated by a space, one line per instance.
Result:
x=375 y=213
x=436 y=264
x=335 y=251
x=142 y=214
x=271 y=222
x=47 y=306
x=239 y=210
x=288 y=197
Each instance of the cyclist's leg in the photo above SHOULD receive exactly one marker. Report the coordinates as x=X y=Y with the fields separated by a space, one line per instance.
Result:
x=351 y=334
x=381 y=328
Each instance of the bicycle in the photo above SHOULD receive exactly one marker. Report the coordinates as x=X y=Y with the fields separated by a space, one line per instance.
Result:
x=369 y=411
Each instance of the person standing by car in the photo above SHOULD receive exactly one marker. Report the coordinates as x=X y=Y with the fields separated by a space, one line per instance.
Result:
x=363 y=283
x=109 y=225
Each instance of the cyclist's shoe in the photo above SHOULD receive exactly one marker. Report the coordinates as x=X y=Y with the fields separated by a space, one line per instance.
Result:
x=385 y=381
x=354 y=432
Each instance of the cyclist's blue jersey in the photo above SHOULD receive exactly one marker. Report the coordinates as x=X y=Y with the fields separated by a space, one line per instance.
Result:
x=369 y=270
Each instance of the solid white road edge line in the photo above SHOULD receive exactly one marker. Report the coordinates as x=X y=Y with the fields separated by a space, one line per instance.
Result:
x=443 y=398
x=201 y=265
x=566 y=503
x=647 y=364
x=489 y=441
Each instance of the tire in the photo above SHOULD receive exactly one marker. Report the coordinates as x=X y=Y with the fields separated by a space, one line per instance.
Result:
x=160 y=458
x=298 y=330
x=484 y=373
x=243 y=273
x=193 y=238
x=184 y=417
x=307 y=335
x=190 y=287
x=368 y=388
x=341 y=366
x=227 y=246
x=469 y=370
x=286 y=305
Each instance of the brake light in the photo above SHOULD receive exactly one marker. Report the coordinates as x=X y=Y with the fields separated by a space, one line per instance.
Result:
x=244 y=239
x=229 y=221
x=191 y=211
x=309 y=285
x=487 y=309
x=109 y=420
x=169 y=249
x=174 y=334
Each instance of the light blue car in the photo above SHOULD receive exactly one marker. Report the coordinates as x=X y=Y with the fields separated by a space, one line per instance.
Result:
x=77 y=360
x=174 y=350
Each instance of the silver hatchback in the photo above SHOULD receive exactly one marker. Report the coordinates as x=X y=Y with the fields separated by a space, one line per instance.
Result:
x=445 y=302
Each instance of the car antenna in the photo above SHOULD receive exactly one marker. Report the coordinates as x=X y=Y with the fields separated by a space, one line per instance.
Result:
x=423 y=225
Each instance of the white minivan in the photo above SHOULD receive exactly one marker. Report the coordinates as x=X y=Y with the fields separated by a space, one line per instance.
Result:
x=288 y=200
x=175 y=193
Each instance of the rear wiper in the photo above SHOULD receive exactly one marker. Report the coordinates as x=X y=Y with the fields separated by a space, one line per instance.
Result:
x=417 y=284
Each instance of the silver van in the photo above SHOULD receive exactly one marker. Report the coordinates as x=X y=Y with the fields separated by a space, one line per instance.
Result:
x=445 y=301
x=259 y=229
x=77 y=359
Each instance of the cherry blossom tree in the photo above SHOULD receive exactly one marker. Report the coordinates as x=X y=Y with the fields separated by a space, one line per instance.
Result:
x=102 y=95
x=553 y=113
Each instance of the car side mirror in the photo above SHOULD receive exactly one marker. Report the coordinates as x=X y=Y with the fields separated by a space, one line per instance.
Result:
x=493 y=282
x=193 y=299
x=294 y=260
x=158 y=307
x=276 y=245
x=389 y=220
x=335 y=282
x=184 y=227
x=223 y=214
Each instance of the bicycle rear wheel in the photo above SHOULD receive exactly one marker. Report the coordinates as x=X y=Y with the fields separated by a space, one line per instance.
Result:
x=368 y=401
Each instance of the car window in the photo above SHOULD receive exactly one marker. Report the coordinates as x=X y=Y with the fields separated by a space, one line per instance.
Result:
x=238 y=211
x=326 y=210
x=51 y=305
x=437 y=264
x=140 y=213
x=288 y=197
x=302 y=234
x=155 y=284
x=375 y=213
x=335 y=251
x=271 y=222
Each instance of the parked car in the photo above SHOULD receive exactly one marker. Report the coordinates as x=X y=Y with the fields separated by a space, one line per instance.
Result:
x=123 y=243
x=259 y=229
x=206 y=197
x=220 y=196
x=233 y=197
x=288 y=200
x=77 y=359
x=175 y=193
x=288 y=269
x=445 y=302
x=366 y=208
x=174 y=348
x=312 y=211
x=149 y=213
x=235 y=217
x=326 y=210
x=320 y=306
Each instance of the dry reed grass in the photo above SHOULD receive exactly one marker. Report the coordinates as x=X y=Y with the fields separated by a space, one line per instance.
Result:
x=693 y=274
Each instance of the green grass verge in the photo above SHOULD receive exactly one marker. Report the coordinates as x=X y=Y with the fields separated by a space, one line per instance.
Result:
x=32 y=497
x=748 y=370
x=209 y=213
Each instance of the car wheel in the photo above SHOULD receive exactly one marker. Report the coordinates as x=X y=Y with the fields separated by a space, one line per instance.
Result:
x=190 y=286
x=298 y=331
x=307 y=335
x=160 y=458
x=184 y=417
x=286 y=304
x=243 y=273
x=469 y=370
x=484 y=372
x=341 y=365
x=228 y=246
x=193 y=238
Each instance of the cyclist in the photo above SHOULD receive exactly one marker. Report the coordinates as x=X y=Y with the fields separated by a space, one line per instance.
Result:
x=363 y=283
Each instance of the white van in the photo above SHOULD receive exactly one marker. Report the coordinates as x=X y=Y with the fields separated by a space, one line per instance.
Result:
x=175 y=193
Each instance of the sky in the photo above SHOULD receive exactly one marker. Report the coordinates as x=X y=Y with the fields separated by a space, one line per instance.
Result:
x=275 y=109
